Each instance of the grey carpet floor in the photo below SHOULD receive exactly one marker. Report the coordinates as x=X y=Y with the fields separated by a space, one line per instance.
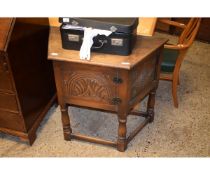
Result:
x=182 y=132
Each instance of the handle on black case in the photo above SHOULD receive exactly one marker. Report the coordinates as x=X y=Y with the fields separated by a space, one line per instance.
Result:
x=102 y=42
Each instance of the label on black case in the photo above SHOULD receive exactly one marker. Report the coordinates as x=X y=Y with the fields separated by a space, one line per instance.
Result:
x=72 y=37
x=116 y=42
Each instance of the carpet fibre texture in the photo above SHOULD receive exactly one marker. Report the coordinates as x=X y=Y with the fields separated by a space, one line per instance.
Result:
x=182 y=132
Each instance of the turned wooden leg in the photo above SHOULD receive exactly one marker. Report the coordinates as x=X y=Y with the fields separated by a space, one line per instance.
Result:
x=150 y=105
x=121 y=141
x=174 y=91
x=66 y=122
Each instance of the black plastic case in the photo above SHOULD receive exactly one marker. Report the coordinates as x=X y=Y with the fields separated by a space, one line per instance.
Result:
x=120 y=42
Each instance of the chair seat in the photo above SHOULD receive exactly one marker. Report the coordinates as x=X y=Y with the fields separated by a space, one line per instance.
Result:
x=169 y=60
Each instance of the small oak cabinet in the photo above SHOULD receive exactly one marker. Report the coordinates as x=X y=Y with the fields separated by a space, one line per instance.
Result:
x=110 y=83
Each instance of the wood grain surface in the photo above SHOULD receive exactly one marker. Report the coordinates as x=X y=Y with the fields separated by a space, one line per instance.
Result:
x=5 y=29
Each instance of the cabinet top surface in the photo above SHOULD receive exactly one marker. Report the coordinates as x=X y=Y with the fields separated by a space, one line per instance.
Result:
x=144 y=47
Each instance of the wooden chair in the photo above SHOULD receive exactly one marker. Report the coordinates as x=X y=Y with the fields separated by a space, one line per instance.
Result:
x=173 y=55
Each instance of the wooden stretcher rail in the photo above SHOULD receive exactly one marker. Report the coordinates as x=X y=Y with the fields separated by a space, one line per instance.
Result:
x=93 y=139
x=138 y=129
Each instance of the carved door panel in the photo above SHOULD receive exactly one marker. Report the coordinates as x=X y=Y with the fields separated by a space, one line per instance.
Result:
x=89 y=85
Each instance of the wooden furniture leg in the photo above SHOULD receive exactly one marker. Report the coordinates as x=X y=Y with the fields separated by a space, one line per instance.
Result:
x=150 y=105
x=121 y=141
x=31 y=138
x=66 y=122
x=174 y=90
x=178 y=80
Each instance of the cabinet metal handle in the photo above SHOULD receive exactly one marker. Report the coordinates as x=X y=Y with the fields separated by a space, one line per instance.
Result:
x=117 y=80
x=116 y=101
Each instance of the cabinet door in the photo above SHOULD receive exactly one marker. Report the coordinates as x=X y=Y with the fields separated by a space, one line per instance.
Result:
x=90 y=86
x=5 y=80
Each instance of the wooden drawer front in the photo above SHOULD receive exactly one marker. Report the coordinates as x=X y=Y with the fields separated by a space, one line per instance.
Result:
x=87 y=85
x=8 y=102
x=5 y=30
x=11 y=120
x=5 y=81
